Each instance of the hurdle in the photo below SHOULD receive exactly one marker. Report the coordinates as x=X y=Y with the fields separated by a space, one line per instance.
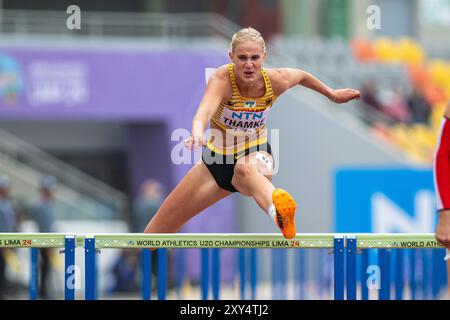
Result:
x=345 y=248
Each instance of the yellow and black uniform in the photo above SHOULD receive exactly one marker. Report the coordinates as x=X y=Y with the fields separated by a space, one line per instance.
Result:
x=241 y=124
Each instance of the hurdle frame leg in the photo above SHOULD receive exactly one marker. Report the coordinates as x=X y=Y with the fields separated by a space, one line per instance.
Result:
x=204 y=260
x=385 y=266
x=351 y=267
x=34 y=274
x=162 y=273
x=364 y=267
x=339 y=262
x=215 y=273
x=242 y=272
x=275 y=257
x=412 y=272
x=146 y=267
x=90 y=268
x=399 y=274
x=181 y=270
x=253 y=272
x=301 y=273
x=70 y=270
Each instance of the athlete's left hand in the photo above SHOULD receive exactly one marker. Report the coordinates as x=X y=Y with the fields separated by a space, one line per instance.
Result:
x=345 y=95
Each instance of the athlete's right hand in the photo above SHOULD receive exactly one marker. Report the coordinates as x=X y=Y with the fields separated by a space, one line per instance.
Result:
x=196 y=141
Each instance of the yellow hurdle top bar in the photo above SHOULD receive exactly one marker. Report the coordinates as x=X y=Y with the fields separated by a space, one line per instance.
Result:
x=218 y=240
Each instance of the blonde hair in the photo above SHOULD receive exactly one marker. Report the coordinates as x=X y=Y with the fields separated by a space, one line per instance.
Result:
x=247 y=34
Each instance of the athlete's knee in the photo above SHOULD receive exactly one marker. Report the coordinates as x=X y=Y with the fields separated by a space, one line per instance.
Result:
x=240 y=187
x=264 y=163
x=241 y=174
x=242 y=170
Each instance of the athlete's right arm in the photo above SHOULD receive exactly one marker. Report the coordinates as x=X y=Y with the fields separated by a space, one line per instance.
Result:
x=216 y=90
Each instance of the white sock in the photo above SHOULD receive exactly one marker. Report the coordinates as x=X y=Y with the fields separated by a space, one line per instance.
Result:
x=271 y=211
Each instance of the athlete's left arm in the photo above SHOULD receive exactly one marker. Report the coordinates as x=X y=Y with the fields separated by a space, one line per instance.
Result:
x=293 y=77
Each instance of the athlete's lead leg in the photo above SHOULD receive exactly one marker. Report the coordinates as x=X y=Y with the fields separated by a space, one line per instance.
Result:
x=252 y=177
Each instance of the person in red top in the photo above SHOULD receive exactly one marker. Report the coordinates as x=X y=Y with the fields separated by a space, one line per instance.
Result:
x=441 y=169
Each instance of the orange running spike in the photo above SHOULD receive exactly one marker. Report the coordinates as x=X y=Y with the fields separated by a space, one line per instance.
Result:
x=285 y=206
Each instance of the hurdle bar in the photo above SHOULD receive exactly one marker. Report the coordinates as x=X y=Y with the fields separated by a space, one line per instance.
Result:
x=36 y=241
x=206 y=241
x=344 y=246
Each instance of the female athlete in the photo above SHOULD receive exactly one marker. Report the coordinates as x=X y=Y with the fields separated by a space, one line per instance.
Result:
x=237 y=156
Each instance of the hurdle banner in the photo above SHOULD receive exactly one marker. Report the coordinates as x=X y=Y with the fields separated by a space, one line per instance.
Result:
x=396 y=241
x=206 y=240
x=32 y=240
x=343 y=246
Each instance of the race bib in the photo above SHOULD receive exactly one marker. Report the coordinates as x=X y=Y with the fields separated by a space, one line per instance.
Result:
x=244 y=119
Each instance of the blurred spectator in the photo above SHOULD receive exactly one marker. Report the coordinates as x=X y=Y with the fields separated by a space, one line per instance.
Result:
x=395 y=105
x=419 y=108
x=7 y=224
x=146 y=204
x=7 y=216
x=42 y=213
x=144 y=208
x=369 y=95
x=125 y=272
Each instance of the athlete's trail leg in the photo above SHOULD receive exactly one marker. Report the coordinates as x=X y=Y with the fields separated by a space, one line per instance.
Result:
x=196 y=192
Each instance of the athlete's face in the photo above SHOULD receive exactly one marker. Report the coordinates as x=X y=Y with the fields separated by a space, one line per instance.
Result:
x=248 y=58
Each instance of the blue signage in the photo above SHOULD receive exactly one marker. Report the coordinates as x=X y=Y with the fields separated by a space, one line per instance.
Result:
x=384 y=200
